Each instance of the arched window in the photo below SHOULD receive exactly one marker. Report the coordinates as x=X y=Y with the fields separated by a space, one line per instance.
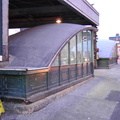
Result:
x=73 y=50
x=89 y=39
x=79 y=48
x=64 y=55
x=56 y=62
x=85 y=57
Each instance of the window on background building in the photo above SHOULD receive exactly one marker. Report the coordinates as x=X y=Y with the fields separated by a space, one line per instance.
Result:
x=79 y=47
x=85 y=57
x=73 y=50
x=89 y=38
x=64 y=55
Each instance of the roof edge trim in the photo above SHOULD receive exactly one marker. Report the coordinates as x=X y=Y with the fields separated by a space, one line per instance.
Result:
x=68 y=39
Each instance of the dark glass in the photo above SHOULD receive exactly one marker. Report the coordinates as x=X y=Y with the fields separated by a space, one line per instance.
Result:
x=64 y=55
x=85 y=58
x=79 y=47
x=73 y=50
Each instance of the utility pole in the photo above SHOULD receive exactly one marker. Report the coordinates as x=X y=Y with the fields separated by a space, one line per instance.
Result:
x=3 y=32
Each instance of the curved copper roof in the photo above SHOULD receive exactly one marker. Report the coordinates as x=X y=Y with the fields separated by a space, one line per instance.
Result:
x=37 y=47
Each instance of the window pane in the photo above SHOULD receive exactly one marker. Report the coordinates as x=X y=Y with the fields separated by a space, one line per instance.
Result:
x=56 y=62
x=84 y=46
x=79 y=47
x=73 y=50
x=89 y=46
x=64 y=55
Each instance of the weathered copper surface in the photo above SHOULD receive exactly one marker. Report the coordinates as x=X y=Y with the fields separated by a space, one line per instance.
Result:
x=37 y=47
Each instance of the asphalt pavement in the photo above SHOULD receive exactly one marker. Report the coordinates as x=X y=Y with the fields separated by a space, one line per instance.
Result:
x=97 y=99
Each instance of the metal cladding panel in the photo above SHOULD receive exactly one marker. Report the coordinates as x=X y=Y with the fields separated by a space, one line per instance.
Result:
x=12 y=86
x=36 y=83
x=1 y=84
x=79 y=71
x=73 y=72
x=53 y=77
x=103 y=62
x=84 y=8
x=113 y=61
x=64 y=74
x=38 y=46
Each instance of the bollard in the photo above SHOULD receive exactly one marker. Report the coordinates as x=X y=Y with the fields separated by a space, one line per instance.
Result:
x=1 y=108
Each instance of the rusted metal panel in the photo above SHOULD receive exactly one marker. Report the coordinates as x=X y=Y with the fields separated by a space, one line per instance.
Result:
x=53 y=77
x=36 y=83
x=73 y=72
x=24 y=86
x=64 y=74
x=79 y=71
x=103 y=62
x=90 y=68
x=13 y=86
x=84 y=8
x=1 y=85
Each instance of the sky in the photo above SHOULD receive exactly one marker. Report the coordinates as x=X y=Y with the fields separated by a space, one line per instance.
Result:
x=13 y=31
x=109 y=20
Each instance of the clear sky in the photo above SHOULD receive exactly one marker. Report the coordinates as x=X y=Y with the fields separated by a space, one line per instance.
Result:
x=109 y=19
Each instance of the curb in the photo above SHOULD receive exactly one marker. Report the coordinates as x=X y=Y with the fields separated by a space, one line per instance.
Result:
x=33 y=107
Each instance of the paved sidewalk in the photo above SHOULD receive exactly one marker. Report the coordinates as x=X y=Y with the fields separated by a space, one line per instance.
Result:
x=98 y=99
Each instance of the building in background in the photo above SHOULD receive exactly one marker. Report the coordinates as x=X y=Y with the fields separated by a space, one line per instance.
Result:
x=117 y=39
x=107 y=53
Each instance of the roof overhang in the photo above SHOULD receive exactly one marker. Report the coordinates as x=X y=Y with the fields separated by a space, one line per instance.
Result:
x=24 y=13
x=84 y=8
